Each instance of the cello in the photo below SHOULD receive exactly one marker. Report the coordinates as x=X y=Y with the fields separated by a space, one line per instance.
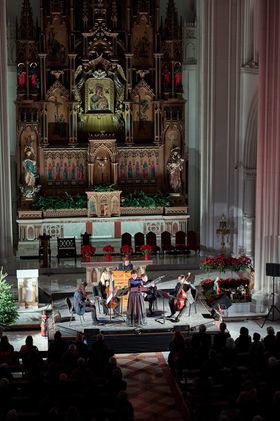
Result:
x=180 y=300
x=181 y=297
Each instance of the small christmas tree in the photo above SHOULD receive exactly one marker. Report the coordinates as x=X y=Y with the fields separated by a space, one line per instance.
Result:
x=8 y=308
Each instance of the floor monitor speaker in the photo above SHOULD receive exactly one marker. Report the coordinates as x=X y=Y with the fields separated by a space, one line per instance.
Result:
x=273 y=269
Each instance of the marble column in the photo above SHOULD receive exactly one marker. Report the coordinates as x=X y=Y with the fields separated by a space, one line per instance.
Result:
x=6 y=236
x=268 y=147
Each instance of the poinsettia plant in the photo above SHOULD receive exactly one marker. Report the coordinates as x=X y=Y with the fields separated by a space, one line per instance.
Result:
x=108 y=249
x=223 y=263
x=88 y=250
x=236 y=289
x=146 y=249
x=126 y=249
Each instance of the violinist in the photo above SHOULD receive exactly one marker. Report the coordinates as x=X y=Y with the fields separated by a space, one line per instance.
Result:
x=178 y=299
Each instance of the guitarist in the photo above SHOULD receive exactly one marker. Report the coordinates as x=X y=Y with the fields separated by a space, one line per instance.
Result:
x=178 y=299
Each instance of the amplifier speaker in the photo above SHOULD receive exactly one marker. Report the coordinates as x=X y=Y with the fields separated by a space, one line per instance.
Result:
x=91 y=332
x=273 y=269
x=224 y=301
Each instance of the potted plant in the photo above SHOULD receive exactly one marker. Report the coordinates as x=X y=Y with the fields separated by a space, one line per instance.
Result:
x=126 y=249
x=108 y=250
x=87 y=251
x=146 y=249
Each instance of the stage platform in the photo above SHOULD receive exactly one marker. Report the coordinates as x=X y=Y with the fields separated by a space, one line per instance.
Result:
x=155 y=335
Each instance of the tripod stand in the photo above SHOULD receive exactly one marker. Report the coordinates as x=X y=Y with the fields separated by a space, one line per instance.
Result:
x=273 y=307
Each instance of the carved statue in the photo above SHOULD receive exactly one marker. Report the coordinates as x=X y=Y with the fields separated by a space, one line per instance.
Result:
x=174 y=168
x=29 y=166
x=30 y=173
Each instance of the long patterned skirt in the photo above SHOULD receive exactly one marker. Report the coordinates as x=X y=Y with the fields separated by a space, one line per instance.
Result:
x=136 y=312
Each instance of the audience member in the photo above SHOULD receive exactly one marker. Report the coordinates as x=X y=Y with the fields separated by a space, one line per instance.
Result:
x=243 y=342
x=57 y=348
x=221 y=337
x=5 y=345
x=269 y=341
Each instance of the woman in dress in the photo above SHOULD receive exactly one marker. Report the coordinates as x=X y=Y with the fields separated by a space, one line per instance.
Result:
x=136 y=314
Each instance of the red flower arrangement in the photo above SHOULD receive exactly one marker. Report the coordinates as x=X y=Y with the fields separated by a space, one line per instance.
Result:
x=108 y=249
x=237 y=289
x=227 y=283
x=126 y=249
x=223 y=263
x=88 y=250
x=146 y=249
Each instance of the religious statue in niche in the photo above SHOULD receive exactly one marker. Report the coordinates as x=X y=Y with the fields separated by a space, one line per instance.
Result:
x=33 y=77
x=29 y=189
x=98 y=101
x=21 y=76
x=178 y=76
x=174 y=167
x=166 y=77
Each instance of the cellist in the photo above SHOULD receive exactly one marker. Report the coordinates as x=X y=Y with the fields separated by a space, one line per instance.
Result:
x=178 y=299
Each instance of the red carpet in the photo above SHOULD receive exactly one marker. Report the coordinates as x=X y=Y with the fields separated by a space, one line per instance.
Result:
x=151 y=389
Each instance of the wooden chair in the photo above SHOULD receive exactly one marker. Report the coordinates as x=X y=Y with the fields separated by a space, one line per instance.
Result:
x=192 y=242
x=126 y=239
x=41 y=248
x=139 y=240
x=166 y=245
x=151 y=239
x=180 y=242
x=66 y=247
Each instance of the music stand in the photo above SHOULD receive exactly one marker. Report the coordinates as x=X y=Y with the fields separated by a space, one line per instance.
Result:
x=273 y=307
x=163 y=295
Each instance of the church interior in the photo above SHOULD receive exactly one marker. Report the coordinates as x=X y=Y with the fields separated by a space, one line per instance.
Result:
x=140 y=228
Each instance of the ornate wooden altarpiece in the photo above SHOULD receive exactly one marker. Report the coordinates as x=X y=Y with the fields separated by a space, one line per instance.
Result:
x=99 y=98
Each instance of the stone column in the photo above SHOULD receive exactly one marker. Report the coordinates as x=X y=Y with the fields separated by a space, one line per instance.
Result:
x=267 y=248
x=219 y=116
x=6 y=236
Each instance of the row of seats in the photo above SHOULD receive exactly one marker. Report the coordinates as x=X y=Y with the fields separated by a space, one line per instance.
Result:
x=184 y=243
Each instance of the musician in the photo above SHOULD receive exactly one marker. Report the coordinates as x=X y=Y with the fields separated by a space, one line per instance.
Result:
x=151 y=294
x=126 y=265
x=82 y=303
x=178 y=300
x=136 y=307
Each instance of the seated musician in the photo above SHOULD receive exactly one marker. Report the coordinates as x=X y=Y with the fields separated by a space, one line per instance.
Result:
x=82 y=303
x=114 y=302
x=178 y=300
x=126 y=265
x=151 y=294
